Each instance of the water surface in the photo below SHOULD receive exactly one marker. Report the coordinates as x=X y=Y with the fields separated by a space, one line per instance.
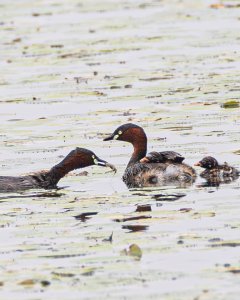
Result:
x=71 y=72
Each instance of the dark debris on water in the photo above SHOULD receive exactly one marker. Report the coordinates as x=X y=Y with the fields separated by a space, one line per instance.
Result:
x=131 y=218
x=109 y=239
x=85 y=216
x=135 y=228
x=145 y=207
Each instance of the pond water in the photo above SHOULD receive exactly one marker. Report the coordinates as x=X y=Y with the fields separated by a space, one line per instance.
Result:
x=71 y=73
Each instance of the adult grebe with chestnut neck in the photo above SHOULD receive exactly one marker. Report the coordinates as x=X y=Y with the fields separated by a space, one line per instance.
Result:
x=155 y=169
x=76 y=159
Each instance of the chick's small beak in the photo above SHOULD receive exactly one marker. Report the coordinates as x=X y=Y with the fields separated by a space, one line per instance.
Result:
x=144 y=160
x=109 y=138
x=198 y=164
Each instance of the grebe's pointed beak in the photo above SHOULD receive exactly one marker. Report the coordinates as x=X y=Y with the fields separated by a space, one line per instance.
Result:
x=197 y=164
x=100 y=162
x=109 y=138
x=103 y=163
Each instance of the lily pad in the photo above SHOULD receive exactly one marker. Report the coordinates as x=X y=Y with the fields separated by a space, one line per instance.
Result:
x=231 y=104
x=133 y=250
x=237 y=152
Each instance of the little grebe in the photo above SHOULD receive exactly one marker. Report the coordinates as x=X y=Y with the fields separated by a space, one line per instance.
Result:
x=78 y=158
x=215 y=172
x=157 y=168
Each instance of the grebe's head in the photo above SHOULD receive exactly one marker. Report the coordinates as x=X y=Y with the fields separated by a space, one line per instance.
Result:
x=207 y=162
x=81 y=157
x=128 y=133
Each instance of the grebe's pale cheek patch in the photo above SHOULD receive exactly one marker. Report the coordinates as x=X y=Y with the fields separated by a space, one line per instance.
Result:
x=116 y=136
x=96 y=161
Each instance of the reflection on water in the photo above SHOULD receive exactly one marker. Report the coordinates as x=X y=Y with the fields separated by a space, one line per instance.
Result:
x=37 y=194
x=217 y=182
